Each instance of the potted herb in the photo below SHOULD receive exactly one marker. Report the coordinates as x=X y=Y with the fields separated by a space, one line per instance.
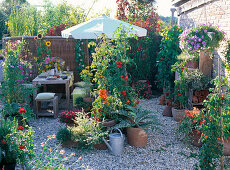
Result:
x=137 y=121
x=89 y=131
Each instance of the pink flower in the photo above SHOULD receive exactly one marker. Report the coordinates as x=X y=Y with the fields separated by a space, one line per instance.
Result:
x=62 y=152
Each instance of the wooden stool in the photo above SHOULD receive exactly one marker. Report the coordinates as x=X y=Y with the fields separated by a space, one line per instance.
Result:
x=55 y=107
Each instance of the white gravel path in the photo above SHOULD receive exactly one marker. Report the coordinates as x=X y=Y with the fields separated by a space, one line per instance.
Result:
x=164 y=149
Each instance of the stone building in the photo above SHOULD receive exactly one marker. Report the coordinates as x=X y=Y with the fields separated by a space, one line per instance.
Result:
x=216 y=12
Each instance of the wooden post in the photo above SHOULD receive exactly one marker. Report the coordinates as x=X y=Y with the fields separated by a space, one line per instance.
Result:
x=221 y=118
x=205 y=63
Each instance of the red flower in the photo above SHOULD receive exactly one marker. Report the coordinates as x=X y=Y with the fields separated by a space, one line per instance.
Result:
x=99 y=110
x=138 y=102
x=120 y=63
x=126 y=77
x=22 y=110
x=223 y=96
x=118 y=66
x=117 y=63
x=167 y=94
x=3 y=141
x=122 y=76
x=21 y=147
x=178 y=94
x=20 y=128
x=127 y=101
x=218 y=139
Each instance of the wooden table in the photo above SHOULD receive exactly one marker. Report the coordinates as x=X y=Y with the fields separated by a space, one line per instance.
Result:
x=44 y=81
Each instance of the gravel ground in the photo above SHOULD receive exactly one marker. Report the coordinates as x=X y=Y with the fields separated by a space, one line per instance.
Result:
x=164 y=150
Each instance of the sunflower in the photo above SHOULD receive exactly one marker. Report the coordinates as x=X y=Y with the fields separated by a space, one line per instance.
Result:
x=39 y=36
x=35 y=37
x=48 y=43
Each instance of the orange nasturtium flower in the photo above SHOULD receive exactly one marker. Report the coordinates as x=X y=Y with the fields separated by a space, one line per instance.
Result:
x=103 y=93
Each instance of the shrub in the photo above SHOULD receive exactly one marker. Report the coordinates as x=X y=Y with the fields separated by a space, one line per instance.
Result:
x=64 y=135
x=68 y=116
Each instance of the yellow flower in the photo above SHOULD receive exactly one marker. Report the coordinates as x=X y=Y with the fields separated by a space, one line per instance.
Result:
x=48 y=43
x=47 y=66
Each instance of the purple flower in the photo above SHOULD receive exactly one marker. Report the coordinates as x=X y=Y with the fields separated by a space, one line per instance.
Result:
x=192 y=43
x=199 y=39
x=202 y=37
x=203 y=42
x=190 y=48
x=12 y=66
x=196 y=31
x=188 y=41
x=205 y=31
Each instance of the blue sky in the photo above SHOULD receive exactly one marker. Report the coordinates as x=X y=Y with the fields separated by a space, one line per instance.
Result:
x=163 y=6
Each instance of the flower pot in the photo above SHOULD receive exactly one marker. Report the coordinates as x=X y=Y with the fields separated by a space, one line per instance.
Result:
x=109 y=123
x=195 y=99
x=167 y=111
x=162 y=100
x=226 y=150
x=195 y=137
x=178 y=114
x=205 y=63
x=193 y=64
x=137 y=137
x=70 y=144
x=100 y=146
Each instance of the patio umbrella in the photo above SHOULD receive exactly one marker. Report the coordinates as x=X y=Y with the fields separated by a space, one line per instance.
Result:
x=95 y=27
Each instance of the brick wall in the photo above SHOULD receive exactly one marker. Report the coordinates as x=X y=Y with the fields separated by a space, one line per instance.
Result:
x=216 y=12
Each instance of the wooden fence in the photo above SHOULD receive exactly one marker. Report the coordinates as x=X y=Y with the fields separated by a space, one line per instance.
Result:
x=60 y=47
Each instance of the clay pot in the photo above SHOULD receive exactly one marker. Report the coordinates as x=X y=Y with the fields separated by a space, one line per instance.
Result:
x=136 y=137
x=192 y=64
x=195 y=137
x=167 y=111
x=109 y=123
x=178 y=114
x=197 y=93
x=195 y=99
x=162 y=100
x=205 y=93
x=226 y=150
x=70 y=144
x=100 y=146
x=87 y=99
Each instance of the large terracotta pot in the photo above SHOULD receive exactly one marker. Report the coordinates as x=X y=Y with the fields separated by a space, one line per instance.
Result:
x=137 y=137
x=195 y=137
x=205 y=63
x=162 y=100
x=226 y=150
x=167 y=111
x=178 y=114
x=100 y=146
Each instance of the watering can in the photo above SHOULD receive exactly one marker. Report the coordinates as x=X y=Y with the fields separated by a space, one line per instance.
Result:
x=116 y=142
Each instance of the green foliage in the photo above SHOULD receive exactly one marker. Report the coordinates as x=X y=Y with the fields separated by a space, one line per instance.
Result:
x=169 y=50
x=167 y=21
x=64 y=135
x=89 y=131
x=136 y=117
x=13 y=88
x=28 y=21
x=181 y=87
x=196 y=80
x=79 y=53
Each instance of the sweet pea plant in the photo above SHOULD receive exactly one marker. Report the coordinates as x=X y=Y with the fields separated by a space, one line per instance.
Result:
x=202 y=37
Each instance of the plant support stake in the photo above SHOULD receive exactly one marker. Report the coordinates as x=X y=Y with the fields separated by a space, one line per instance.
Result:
x=221 y=118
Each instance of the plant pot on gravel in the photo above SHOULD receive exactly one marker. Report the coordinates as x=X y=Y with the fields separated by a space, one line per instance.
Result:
x=136 y=122
x=109 y=123
x=137 y=137
x=100 y=146
x=195 y=138
x=178 y=114
x=167 y=111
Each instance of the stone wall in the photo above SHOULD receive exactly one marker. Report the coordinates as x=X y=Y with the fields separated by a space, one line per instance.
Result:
x=216 y=12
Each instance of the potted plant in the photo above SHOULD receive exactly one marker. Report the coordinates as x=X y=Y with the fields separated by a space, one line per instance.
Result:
x=189 y=126
x=168 y=98
x=89 y=132
x=64 y=136
x=68 y=117
x=201 y=41
x=191 y=61
x=137 y=121
x=180 y=92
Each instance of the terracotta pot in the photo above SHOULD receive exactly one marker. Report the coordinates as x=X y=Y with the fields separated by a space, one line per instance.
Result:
x=205 y=93
x=226 y=150
x=205 y=63
x=195 y=137
x=197 y=93
x=162 y=100
x=192 y=64
x=137 y=137
x=70 y=144
x=167 y=111
x=195 y=99
x=100 y=146
x=109 y=123
x=87 y=99
x=178 y=114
